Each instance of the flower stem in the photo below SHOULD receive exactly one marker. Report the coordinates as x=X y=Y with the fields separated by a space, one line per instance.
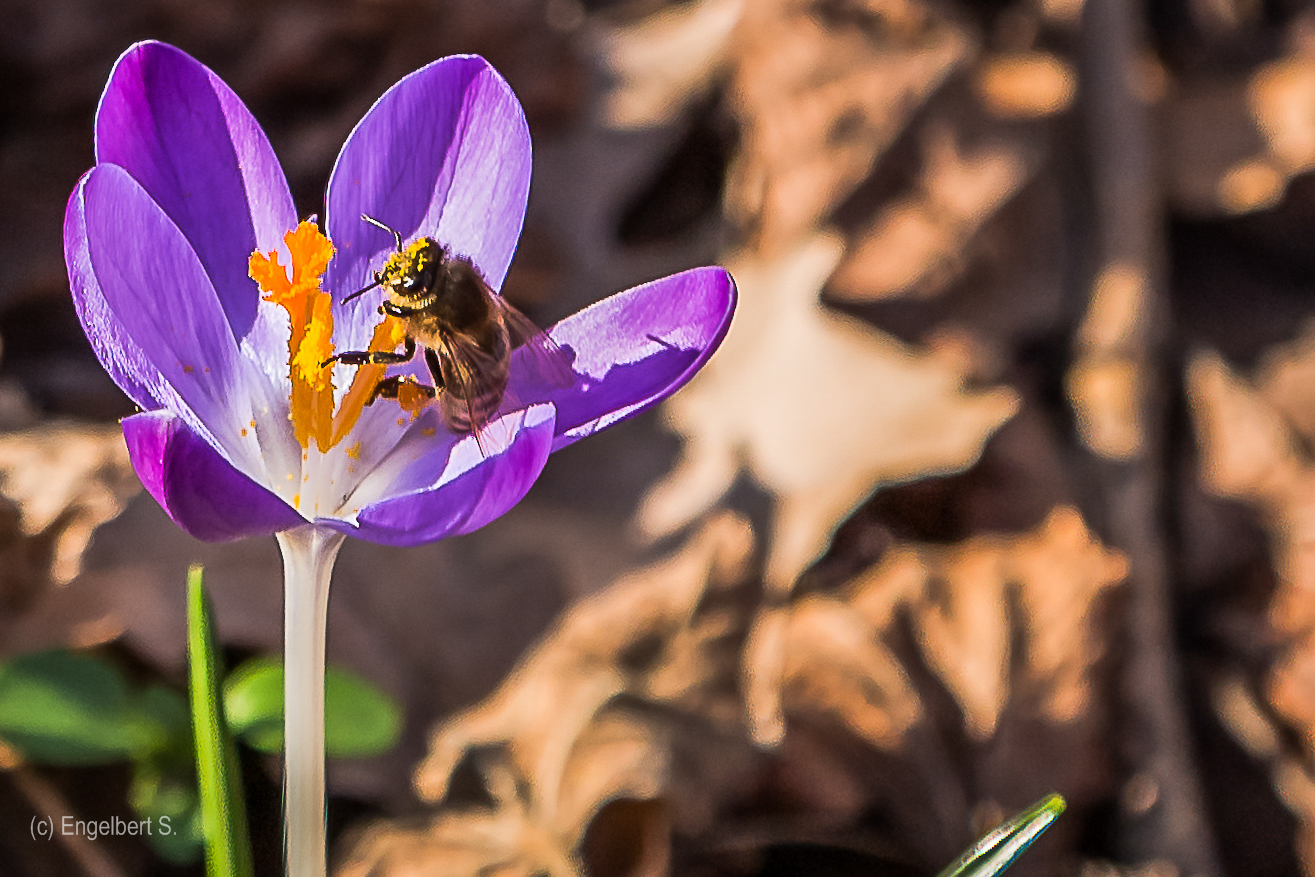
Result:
x=308 y=556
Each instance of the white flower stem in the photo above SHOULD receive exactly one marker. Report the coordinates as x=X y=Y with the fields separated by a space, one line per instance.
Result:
x=308 y=556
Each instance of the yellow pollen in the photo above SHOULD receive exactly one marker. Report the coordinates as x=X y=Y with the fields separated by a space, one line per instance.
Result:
x=412 y=398
x=354 y=452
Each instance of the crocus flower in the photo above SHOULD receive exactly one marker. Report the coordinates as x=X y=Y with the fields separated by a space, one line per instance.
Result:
x=213 y=308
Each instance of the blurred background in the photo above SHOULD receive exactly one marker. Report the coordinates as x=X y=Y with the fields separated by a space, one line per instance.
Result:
x=1001 y=484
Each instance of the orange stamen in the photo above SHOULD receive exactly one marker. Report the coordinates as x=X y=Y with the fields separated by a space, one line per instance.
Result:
x=298 y=291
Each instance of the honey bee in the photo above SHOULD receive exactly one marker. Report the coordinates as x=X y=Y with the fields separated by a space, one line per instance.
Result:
x=466 y=330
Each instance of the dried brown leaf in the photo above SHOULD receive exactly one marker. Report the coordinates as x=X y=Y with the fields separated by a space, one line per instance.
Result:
x=666 y=60
x=1237 y=143
x=588 y=720
x=919 y=241
x=581 y=666
x=1252 y=451
x=819 y=100
x=1247 y=449
x=967 y=606
x=1107 y=382
x=625 y=727
x=59 y=483
x=66 y=480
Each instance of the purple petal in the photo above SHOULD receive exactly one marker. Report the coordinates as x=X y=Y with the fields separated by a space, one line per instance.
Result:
x=193 y=145
x=483 y=492
x=632 y=350
x=148 y=307
x=199 y=489
x=445 y=153
x=120 y=355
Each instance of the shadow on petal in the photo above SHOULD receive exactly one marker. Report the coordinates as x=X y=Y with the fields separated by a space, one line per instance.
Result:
x=632 y=350
x=462 y=504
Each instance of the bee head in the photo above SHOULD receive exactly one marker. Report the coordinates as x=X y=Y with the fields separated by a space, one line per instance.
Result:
x=410 y=273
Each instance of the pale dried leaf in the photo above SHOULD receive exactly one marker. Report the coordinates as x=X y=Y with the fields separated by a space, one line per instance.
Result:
x=666 y=60
x=835 y=664
x=1281 y=96
x=1026 y=84
x=1247 y=450
x=1106 y=383
x=819 y=408
x=502 y=842
x=1286 y=377
x=830 y=655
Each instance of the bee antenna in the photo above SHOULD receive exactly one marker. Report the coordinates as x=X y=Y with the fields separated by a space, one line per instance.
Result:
x=397 y=235
x=363 y=289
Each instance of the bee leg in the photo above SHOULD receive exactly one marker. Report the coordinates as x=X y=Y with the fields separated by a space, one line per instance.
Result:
x=435 y=367
x=396 y=310
x=373 y=357
x=390 y=388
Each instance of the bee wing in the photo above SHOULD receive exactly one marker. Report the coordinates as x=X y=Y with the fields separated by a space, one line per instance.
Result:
x=473 y=383
x=547 y=360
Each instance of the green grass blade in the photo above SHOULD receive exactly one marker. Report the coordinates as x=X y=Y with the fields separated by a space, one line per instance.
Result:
x=223 y=808
x=998 y=849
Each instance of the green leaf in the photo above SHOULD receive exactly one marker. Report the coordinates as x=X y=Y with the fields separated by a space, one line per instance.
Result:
x=998 y=849
x=168 y=805
x=253 y=701
x=60 y=707
x=223 y=810
x=359 y=719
